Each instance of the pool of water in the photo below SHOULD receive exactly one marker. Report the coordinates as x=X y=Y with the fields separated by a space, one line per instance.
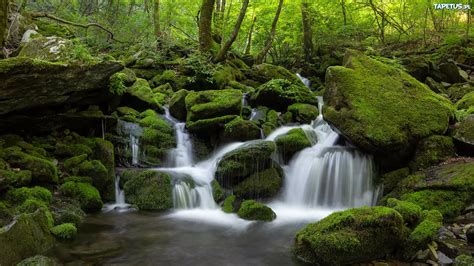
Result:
x=192 y=237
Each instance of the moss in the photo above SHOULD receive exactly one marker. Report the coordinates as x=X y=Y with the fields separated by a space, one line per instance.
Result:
x=14 y=178
x=247 y=159
x=38 y=260
x=263 y=184
x=96 y=170
x=127 y=111
x=213 y=103
x=410 y=212
x=104 y=152
x=271 y=122
x=266 y=72
x=205 y=126
x=178 y=105
x=149 y=190
x=294 y=141
x=168 y=76
x=20 y=195
x=141 y=90
x=6 y=214
x=31 y=205
x=228 y=205
x=73 y=162
x=278 y=94
x=464 y=132
x=391 y=179
x=303 y=113
x=351 y=236
x=66 y=231
x=457 y=91
x=466 y=102
x=69 y=213
x=253 y=210
x=424 y=233
x=156 y=122
x=217 y=191
x=71 y=149
x=241 y=130
x=42 y=170
x=382 y=109
x=116 y=83
x=431 y=151
x=464 y=260
x=225 y=74
x=448 y=203
x=87 y=195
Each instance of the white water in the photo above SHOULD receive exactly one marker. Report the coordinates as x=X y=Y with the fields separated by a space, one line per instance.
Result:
x=135 y=145
x=305 y=81
x=120 y=203
x=318 y=180
x=133 y=131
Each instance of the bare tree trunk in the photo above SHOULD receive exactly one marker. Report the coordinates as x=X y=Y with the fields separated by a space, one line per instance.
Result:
x=3 y=21
x=344 y=14
x=248 y=47
x=468 y=26
x=156 y=18
x=225 y=48
x=271 y=36
x=205 y=25
x=307 y=31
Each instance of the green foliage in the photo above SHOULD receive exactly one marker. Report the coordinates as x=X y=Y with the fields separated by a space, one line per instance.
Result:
x=116 y=83
x=253 y=210
x=66 y=231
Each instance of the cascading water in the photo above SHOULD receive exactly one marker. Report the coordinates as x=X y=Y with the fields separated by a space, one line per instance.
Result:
x=120 y=203
x=133 y=132
x=182 y=155
x=305 y=81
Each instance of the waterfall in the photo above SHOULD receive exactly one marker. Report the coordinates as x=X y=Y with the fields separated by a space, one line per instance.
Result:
x=135 y=148
x=182 y=155
x=305 y=81
x=133 y=132
x=120 y=203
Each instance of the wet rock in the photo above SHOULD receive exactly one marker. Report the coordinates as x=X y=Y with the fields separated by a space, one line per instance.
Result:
x=149 y=190
x=435 y=86
x=451 y=71
x=470 y=234
x=265 y=72
x=38 y=260
x=464 y=135
x=443 y=259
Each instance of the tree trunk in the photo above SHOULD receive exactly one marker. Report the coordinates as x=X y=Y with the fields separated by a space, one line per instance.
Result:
x=3 y=21
x=225 y=48
x=249 y=38
x=307 y=31
x=156 y=18
x=205 y=25
x=344 y=14
x=269 y=41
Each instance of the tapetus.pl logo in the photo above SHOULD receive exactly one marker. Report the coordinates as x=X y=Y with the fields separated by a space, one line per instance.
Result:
x=452 y=6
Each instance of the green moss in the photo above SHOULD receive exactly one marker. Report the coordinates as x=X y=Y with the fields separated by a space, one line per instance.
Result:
x=278 y=94
x=466 y=102
x=141 y=90
x=20 y=195
x=149 y=190
x=253 y=210
x=96 y=170
x=271 y=122
x=457 y=91
x=69 y=213
x=448 y=203
x=116 y=83
x=410 y=212
x=464 y=260
x=31 y=205
x=178 y=105
x=87 y=195
x=241 y=130
x=127 y=111
x=212 y=104
x=217 y=191
x=464 y=132
x=266 y=72
x=66 y=231
x=431 y=151
x=73 y=162
x=156 y=122
x=204 y=126
x=14 y=178
x=351 y=236
x=423 y=233
x=263 y=184
x=42 y=170
x=225 y=74
x=228 y=205
x=291 y=143
x=391 y=179
x=72 y=149
x=381 y=108
x=303 y=113
x=168 y=76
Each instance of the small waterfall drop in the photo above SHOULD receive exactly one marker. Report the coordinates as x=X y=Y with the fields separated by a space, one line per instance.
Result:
x=133 y=132
x=305 y=81
x=120 y=203
x=182 y=155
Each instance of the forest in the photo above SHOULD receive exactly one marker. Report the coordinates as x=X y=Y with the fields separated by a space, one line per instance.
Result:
x=236 y=132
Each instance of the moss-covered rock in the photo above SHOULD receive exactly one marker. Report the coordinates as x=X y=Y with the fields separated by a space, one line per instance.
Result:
x=464 y=260
x=431 y=151
x=87 y=195
x=42 y=170
x=244 y=161
x=6 y=214
x=71 y=149
x=265 y=72
x=19 y=195
x=168 y=76
x=67 y=212
x=38 y=260
x=303 y=113
x=261 y=185
x=27 y=236
x=143 y=96
x=10 y=178
x=278 y=94
x=272 y=122
x=466 y=102
x=178 y=105
x=457 y=91
x=210 y=110
x=217 y=191
x=226 y=74
x=149 y=190
x=382 y=109
x=291 y=143
x=66 y=231
x=410 y=212
x=351 y=236
x=464 y=135
x=119 y=81
x=229 y=206
x=448 y=203
x=241 y=130
x=253 y=210
x=391 y=179
x=96 y=170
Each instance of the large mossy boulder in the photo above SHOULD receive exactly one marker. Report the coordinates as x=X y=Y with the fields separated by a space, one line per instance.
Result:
x=464 y=135
x=149 y=190
x=241 y=130
x=303 y=113
x=278 y=94
x=292 y=142
x=260 y=185
x=141 y=97
x=27 y=83
x=211 y=109
x=178 y=105
x=265 y=72
x=244 y=161
x=448 y=188
x=352 y=236
x=87 y=195
x=382 y=109
x=253 y=210
x=26 y=236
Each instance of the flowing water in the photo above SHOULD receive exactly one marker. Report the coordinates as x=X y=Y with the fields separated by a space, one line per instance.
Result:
x=133 y=132
x=319 y=180
x=119 y=204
